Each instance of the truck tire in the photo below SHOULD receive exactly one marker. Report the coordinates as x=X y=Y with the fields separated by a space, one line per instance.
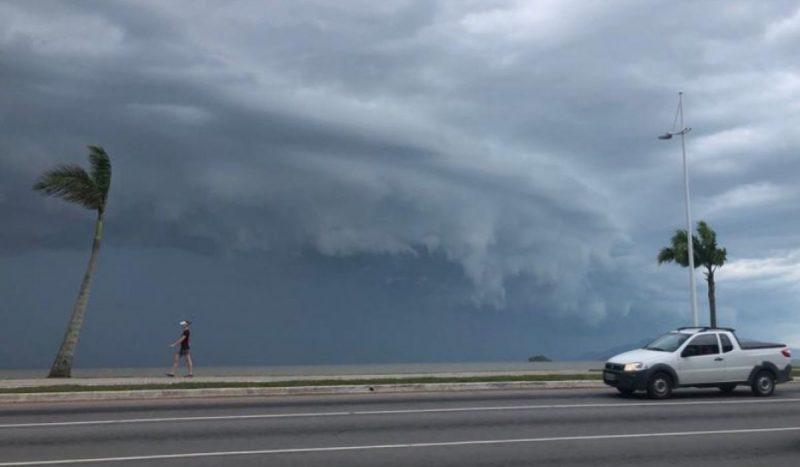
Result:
x=763 y=383
x=727 y=388
x=659 y=386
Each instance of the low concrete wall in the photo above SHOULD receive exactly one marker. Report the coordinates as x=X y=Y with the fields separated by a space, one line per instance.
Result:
x=290 y=391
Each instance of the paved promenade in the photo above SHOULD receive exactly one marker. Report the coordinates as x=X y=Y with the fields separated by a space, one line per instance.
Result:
x=124 y=381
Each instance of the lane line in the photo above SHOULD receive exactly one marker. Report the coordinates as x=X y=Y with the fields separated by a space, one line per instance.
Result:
x=394 y=412
x=399 y=446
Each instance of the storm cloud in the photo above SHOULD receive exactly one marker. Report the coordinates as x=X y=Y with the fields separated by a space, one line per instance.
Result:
x=352 y=181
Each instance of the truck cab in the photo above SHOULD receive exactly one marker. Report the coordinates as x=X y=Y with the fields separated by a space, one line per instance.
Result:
x=699 y=357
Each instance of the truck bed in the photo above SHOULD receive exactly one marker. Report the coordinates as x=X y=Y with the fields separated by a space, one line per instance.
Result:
x=753 y=345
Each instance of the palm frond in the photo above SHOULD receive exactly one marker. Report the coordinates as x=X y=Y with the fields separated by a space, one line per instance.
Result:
x=666 y=255
x=71 y=183
x=710 y=255
x=708 y=238
x=719 y=257
x=704 y=244
x=101 y=169
x=678 y=250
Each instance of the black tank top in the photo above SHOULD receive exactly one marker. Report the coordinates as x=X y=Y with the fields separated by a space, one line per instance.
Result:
x=185 y=342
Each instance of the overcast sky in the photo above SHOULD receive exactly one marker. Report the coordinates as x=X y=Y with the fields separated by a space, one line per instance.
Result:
x=360 y=181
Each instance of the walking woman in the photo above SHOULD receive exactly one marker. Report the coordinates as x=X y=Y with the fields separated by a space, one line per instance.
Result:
x=184 y=352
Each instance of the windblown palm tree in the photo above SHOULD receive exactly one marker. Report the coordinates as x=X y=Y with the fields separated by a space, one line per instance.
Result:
x=72 y=183
x=706 y=254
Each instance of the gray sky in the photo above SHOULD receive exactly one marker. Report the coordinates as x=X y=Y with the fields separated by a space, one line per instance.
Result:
x=323 y=182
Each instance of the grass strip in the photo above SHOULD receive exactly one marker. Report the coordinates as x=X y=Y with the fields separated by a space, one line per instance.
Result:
x=296 y=383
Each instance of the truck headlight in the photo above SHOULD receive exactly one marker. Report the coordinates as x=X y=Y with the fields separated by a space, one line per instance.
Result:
x=638 y=366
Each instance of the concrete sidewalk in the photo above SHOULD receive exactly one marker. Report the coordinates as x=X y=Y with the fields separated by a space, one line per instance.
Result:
x=161 y=394
x=351 y=384
x=200 y=378
x=367 y=383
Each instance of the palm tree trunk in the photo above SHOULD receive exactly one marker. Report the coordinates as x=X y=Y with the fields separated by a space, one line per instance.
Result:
x=62 y=365
x=712 y=300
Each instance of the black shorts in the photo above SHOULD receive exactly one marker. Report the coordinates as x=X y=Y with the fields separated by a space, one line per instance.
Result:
x=184 y=351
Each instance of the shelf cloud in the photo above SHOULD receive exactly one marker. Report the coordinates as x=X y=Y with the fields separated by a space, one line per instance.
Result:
x=489 y=160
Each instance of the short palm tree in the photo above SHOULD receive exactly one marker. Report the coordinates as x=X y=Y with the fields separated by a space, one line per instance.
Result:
x=72 y=183
x=706 y=254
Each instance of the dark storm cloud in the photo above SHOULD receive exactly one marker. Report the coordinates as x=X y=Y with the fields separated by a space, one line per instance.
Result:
x=512 y=142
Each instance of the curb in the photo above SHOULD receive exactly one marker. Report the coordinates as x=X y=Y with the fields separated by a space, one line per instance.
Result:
x=150 y=394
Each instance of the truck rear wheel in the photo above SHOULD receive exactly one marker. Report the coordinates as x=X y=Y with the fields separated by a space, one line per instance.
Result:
x=763 y=383
x=659 y=386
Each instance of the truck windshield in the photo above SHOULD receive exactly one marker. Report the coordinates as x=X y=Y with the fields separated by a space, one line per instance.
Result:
x=668 y=342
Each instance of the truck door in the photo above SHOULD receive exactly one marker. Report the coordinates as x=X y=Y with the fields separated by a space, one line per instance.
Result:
x=737 y=363
x=701 y=362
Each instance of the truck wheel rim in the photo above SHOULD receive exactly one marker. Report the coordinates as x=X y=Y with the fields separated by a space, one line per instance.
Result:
x=660 y=386
x=764 y=384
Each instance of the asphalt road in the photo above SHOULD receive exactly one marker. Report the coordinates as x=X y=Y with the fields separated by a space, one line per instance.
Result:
x=502 y=428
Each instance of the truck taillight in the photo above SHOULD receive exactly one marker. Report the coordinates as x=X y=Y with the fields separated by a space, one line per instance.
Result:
x=787 y=353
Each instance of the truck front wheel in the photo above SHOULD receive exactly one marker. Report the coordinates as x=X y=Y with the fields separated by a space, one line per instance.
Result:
x=763 y=383
x=659 y=386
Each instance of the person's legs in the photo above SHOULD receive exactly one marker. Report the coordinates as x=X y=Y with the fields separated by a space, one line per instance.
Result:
x=175 y=361
x=189 y=363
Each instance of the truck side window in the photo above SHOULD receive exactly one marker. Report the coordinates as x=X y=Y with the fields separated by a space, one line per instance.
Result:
x=704 y=344
x=726 y=343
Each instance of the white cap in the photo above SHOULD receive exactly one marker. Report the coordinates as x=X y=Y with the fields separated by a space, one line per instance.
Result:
x=184 y=323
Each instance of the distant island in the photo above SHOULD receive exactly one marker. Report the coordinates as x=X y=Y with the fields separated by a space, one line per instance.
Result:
x=539 y=358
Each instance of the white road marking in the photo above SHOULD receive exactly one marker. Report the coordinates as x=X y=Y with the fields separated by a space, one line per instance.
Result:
x=395 y=412
x=399 y=446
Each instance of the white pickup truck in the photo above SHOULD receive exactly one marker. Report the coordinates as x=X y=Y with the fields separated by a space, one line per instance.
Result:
x=699 y=357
